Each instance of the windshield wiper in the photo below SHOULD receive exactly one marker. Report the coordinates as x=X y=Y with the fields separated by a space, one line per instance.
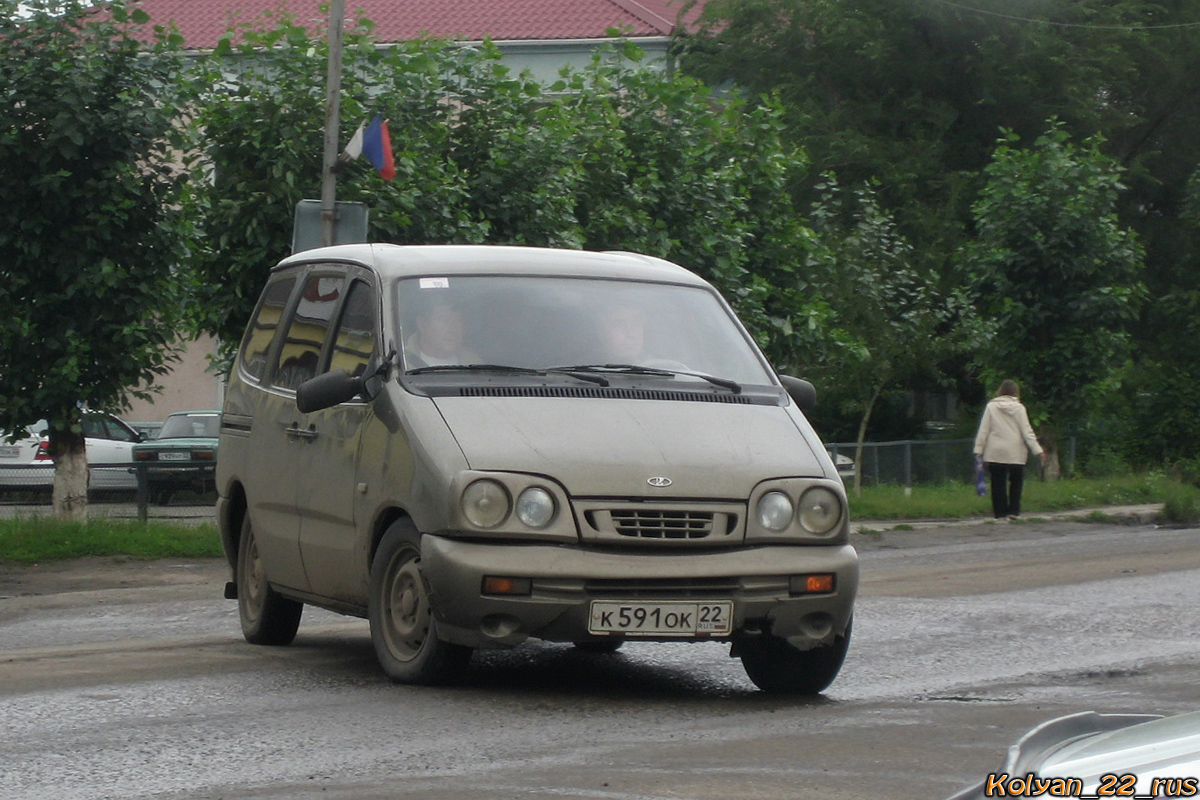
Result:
x=505 y=368
x=475 y=368
x=634 y=369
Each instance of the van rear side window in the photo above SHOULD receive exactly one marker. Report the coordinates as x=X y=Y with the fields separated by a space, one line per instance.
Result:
x=261 y=330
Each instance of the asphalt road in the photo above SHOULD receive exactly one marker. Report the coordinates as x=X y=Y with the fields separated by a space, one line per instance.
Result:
x=130 y=680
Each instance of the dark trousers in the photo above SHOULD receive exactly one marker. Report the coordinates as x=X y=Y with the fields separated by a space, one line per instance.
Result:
x=1007 y=481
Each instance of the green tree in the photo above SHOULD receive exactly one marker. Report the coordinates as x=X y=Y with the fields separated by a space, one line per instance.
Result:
x=88 y=307
x=1160 y=403
x=880 y=319
x=913 y=93
x=1055 y=275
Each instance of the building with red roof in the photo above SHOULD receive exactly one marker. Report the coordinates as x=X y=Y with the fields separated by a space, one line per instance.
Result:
x=541 y=35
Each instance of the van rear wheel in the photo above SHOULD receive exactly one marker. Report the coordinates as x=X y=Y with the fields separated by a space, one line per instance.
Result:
x=776 y=667
x=266 y=616
x=403 y=628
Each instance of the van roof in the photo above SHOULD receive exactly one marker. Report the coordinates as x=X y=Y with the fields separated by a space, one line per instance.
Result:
x=398 y=261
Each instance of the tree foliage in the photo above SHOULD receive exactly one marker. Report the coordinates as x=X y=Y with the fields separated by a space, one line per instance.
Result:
x=88 y=308
x=880 y=316
x=1054 y=272
x=914 y=93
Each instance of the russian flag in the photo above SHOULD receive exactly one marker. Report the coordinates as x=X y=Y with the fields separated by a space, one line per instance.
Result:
x=374 y=142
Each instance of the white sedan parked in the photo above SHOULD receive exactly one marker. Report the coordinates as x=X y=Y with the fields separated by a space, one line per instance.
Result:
x=26 y=463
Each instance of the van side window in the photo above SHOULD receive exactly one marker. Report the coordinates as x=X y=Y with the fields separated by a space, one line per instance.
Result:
x=301 y=351
x=261 y=330
x=354 y=343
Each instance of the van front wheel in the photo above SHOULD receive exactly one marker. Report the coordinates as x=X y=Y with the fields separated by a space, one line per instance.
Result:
x=403 y=629
x=777 y=667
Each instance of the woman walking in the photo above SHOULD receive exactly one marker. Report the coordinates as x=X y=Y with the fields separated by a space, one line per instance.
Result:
x=1004 y=435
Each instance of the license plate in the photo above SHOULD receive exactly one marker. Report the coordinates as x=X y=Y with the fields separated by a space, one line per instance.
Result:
x=666 y=618
x=174 y=456
x=10 y=452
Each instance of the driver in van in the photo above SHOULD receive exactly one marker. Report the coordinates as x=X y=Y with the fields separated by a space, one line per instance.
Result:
x=438 y=340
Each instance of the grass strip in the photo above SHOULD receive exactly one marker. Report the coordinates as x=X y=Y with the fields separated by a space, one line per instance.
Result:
x=959 y=500
x=35 y=539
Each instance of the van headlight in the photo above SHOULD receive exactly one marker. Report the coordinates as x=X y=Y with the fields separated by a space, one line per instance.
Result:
x=535 y=507
x=775 y=511
x=820 y=510
x=485 y=503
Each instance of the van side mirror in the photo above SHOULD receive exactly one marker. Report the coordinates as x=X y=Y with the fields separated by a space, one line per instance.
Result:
x=327 y=390
x=803 y=393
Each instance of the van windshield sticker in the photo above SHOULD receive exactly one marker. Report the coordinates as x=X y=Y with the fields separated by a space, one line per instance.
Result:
x=435 y=283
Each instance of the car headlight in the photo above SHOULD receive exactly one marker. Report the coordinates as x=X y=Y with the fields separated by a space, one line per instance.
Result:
x=820 y=510
x=775 y=511
x=535 y=507
x=485 y=503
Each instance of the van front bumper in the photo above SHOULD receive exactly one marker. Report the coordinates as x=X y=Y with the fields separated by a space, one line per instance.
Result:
x=564 y=580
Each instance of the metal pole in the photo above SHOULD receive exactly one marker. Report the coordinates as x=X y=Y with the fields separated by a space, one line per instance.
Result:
x=908 y=481
x=143 y=491
x=333 y=91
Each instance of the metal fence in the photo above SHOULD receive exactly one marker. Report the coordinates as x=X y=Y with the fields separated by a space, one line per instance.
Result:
x=918 y=461
x=114 y=483
x=39 y=476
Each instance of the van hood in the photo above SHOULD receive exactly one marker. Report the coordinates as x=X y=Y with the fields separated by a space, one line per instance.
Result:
x=612 y=448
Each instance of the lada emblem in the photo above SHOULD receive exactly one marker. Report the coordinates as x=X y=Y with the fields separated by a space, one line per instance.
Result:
x=660 y=482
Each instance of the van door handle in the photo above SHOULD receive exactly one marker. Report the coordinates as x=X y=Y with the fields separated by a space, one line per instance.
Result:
x=301 y=433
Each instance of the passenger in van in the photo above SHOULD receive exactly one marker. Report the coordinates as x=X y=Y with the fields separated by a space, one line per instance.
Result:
x=438 y=340
x=622 y=333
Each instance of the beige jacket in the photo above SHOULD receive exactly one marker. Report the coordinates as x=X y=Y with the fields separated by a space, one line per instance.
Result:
x=1005 y=432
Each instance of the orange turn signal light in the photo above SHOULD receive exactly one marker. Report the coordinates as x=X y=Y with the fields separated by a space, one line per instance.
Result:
x=493 y=584
x=821 y=583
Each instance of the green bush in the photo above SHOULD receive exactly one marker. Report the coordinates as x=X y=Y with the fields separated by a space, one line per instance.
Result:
x=1188 y=471
x=1182 y=505
x=1102 y=462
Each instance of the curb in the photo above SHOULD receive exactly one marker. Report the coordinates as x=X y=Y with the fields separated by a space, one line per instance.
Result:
x=1127 y=515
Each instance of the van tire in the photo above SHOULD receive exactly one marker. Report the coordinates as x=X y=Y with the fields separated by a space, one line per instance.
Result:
x=266 y=616
x=403 y=628
x=778 y=668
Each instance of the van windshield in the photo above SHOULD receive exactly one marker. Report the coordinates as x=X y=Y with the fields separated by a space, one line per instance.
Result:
x=540 y=323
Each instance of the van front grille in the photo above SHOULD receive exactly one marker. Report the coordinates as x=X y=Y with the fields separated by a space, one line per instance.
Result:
x=665 y=524
x=657 y=524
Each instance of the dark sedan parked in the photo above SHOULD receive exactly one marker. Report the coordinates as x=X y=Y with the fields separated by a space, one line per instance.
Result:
x=182 y=457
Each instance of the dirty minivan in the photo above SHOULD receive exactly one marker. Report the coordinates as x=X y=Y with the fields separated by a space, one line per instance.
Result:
x=471 y=446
